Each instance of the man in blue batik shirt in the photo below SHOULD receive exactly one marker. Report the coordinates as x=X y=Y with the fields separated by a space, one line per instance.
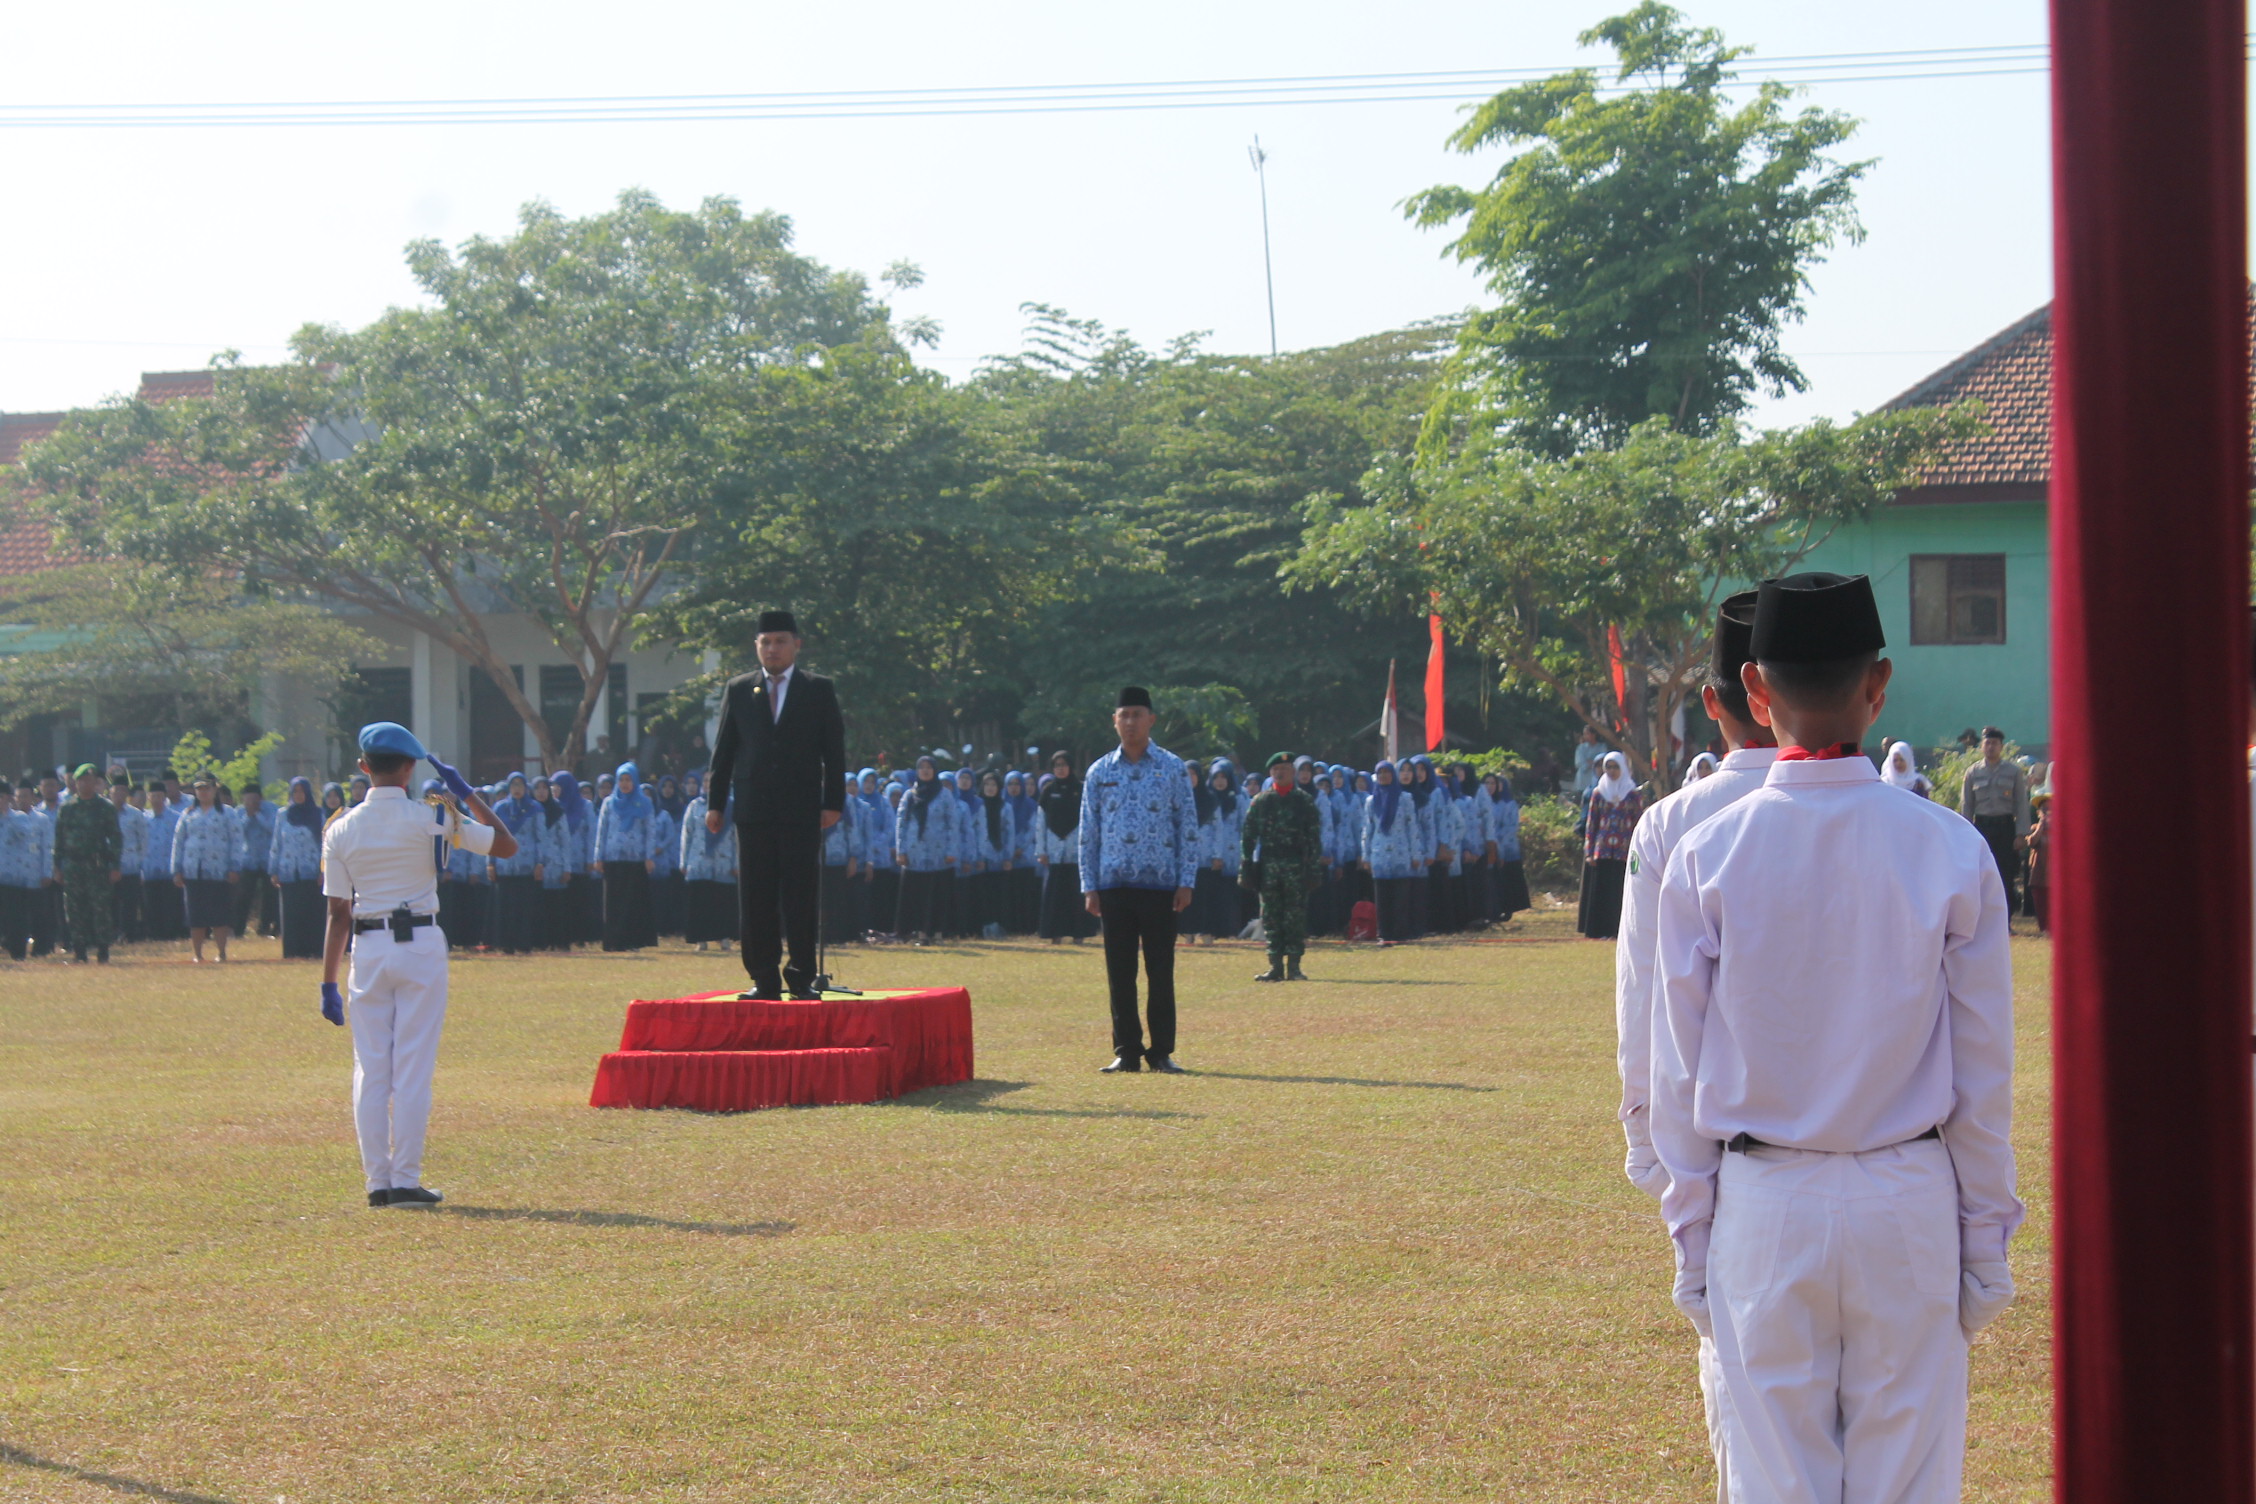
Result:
x=1139 y=860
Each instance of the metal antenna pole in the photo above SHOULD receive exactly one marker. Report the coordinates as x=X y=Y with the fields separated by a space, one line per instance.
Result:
x=1269 y=277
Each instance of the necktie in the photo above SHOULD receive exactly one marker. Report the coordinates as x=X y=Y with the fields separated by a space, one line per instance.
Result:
x=775 y=696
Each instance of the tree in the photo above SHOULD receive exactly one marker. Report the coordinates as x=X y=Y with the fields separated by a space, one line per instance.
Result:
x=157 y=648
x=1541 y=561
x=536 y=441
x=910 y=525
x=1647 y=243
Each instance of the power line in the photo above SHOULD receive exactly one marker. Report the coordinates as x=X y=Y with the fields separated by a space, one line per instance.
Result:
x=1459 y=85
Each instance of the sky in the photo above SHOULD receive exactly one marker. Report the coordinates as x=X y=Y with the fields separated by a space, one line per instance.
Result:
x=151 y=249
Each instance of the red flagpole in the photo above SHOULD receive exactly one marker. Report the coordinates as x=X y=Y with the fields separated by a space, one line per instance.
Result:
x=2151 y=1018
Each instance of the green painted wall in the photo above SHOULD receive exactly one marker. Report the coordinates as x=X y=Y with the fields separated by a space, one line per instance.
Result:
x=1939 y=691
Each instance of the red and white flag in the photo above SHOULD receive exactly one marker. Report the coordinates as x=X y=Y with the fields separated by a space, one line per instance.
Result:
x=1390 y=727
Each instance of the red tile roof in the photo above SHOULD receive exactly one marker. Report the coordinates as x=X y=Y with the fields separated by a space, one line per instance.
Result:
x=2010 y=373
x=25 y=547
x=163 y=386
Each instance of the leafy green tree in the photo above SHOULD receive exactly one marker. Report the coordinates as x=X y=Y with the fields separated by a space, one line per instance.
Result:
x=1539 y=559
x=1647 y=241
x=910 y=525
x=152 y=647
x=537 y=441
x=193 y=758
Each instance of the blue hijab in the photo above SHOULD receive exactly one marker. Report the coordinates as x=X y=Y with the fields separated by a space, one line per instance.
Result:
x=518 y=810
x=629 y=806
x=1420 y=790
x=305 y=814
x=1385 y=797
x=566 y=788
x=1023 y=807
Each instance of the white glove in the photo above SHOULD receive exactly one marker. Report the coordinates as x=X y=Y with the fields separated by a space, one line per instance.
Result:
x=1643 y=1166
x=1691 y=1292
x=1985 y=1289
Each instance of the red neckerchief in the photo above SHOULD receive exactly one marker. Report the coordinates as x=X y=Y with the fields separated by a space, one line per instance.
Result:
x=1820 y=754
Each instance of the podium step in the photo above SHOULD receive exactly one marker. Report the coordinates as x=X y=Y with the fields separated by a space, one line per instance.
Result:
x=743 y=1080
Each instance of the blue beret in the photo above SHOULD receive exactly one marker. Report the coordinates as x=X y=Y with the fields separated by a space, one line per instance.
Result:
x=390 y=736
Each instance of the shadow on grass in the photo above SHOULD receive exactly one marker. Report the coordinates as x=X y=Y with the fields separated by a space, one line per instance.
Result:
x=978 y=1095
x=18 y=1457
x=615 y=1219
x=1344 y=1081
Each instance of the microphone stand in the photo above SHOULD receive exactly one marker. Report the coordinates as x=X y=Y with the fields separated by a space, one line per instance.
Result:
x=822 y=982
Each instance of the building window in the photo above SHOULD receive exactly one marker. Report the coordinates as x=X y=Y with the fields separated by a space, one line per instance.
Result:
x=560 y=689
x=1957 y=598
x=383 y=694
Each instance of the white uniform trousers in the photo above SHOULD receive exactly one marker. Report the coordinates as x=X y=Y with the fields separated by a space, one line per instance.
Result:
x=1711 y=1404
x=1833 y=1285
x=398 y=1003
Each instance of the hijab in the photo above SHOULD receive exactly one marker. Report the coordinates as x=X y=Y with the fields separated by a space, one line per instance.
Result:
x=692 y=789
x=923 y=791
x=968 y=797
x=332 y=788
x=1703 y=766
x=518 y=810
x=1061 y=803
x=1385 y=797
x=627 y=800
x=1614 y=785
x=992 y=804
x=1225 y=799
x=1503 y=794
x=1907 y=775
x=1364 y=784
x=670 y=795
x=1422 y=779
x=566 y=788
x=304 y=813
x=1022 y=804
x=551 y=810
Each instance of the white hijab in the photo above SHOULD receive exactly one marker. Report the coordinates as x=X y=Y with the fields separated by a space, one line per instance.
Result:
x=1900 y=767
x=1614 y=786
x=1702 y=767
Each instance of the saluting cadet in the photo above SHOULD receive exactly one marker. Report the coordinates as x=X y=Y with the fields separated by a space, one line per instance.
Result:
x=1650 y=846
x=203 y=868
x=381 y=876
x=88 y=855
x=133 y=853
x=1281 y=845
x=1832 y=1085
x=293 y=865
x=1139 y=860
x=254 y=839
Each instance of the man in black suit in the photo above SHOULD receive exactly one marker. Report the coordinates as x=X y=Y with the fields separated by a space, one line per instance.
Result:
x=780 y=761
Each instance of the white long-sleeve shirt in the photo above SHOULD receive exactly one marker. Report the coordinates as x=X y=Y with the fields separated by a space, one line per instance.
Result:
x=1833 y=974
x=1650 y=846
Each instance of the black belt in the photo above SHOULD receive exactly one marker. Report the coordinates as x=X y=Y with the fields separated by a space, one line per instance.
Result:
x=1740 y=1143
x=400 y=922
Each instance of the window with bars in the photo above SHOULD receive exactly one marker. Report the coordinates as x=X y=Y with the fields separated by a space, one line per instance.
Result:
x=1957 y=598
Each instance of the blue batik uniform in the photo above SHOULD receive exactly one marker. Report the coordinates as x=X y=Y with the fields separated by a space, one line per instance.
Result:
x=1398 y=848
x=524 y=819
x=254 y=837
x=990 y=852
x=133 y=831
x=624 y=838
x=27 y=850
x=565 y=850
x=929 y=848
x=157 y=858
x=666 y=844
x=203 y=845
x=705 y=857
x=465 y=866
x=840 y=843
x=876 y=830
x=293 y=854
x=1504 y=829
x=1139 y=823
x=1218 y=833
x=971 y=831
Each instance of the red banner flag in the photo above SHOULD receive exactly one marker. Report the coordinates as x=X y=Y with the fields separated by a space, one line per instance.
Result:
x=1435 y=729
x=1621 y=675
x=1390 y=725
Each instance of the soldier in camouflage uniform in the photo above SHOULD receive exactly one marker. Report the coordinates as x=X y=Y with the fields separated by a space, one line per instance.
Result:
x=88 y=850
x=1283 y=847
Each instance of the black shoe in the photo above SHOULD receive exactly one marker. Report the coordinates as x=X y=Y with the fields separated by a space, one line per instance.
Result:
x=1293 y=973
x=103 y=955
x=1275 y=973
x=759 y=997
x=1166 y=1066
x=1122 y=1063
x=379 y=1198
x=414 y=1195
x=799 y=996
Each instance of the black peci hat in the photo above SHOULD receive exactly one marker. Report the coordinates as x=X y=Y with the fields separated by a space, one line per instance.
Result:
x=1734 y=633
x=1135 y=695
x=1816 y=617
x=778 y=621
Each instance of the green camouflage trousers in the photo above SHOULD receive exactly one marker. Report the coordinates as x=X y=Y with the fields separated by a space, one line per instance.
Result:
x=1284 y=910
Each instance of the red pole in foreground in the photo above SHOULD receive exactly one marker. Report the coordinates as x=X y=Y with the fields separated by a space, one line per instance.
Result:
x=2151 y=1006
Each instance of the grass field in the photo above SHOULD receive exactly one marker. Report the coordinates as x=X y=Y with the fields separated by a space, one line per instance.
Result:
x=1376 y=1247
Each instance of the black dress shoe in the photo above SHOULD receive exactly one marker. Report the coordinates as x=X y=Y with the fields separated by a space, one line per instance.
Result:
x=1127 y=1063
x=799 y=996
x=1166 y=1066
x=414 y=1195
x=759 y=997
x=379 y=1198
x=1275 y=973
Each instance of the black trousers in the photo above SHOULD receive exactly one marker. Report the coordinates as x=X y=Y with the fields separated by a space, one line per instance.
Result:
x=1997 y=830
x=778 y=878
x=1140 y=919
x=255 y=903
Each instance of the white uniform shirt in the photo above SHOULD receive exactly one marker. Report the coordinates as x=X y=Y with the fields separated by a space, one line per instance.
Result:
x=379 y=854
x=1650 y=846
x=1864 y=996
x=779 y=685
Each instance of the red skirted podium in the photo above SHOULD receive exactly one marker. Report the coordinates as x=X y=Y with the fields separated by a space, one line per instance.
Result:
x=720 y=1053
